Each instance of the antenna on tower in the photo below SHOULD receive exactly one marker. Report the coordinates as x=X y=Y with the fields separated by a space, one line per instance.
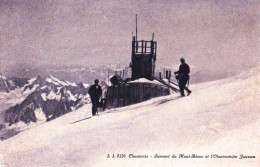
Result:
x=136 y=28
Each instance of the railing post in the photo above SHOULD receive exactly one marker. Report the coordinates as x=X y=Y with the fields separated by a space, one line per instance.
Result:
x=145 y=46
x=136 y=47
x=124 y=96
x=133 y=48
x=155 y=50
x=152 y=47
x=170 y=74
x=149 y=87
x=118 y=95
x=142 y=46
x=143 y=93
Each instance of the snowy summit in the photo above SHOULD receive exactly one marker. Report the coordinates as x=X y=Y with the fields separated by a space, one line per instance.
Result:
x=220 y=119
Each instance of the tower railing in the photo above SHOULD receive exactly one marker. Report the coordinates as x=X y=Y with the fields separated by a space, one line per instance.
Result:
x=144 y=47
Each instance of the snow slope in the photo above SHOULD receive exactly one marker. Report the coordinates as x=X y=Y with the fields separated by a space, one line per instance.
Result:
x=220 y=117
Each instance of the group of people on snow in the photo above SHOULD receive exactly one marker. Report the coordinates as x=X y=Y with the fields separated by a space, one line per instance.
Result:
x=182 y=77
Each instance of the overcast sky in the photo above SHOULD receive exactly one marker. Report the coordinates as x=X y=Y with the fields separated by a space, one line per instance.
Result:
x=212 y=34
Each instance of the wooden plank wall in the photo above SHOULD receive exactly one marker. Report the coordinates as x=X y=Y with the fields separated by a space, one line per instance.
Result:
x=131 y=93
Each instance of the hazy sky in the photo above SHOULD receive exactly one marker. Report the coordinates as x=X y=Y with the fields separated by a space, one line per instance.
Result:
x=220 y=35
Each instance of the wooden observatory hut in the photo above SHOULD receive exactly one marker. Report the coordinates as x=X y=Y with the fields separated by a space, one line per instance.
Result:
x=143 y=84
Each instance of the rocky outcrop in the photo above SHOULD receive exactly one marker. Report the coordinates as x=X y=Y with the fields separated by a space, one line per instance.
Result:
x=8 y=84
x=52 y=96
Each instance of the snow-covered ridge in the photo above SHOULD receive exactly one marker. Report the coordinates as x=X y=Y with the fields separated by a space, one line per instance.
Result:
x=17 y=95
x=2 y=77
x=220 y=118
x=85 y=85
x=56 y=81
x=6 y=84
x=52 y=96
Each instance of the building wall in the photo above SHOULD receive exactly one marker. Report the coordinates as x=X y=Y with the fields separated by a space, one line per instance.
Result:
x=131 y=93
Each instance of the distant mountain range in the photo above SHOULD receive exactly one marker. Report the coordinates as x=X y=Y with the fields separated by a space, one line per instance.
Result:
x=89 y=74
x=205 y=76
x=40 y=98
x=23 y=98
x=69 y=73
x=198 y=75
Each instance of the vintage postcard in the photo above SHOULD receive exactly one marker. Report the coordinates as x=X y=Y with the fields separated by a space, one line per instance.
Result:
x=129 y=83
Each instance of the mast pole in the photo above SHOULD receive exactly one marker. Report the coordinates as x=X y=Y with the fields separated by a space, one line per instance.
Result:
x=136 y=28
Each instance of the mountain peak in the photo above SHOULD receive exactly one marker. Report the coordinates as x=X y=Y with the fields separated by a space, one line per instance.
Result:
x=2 y=76
x=55 y=81
x=50 y=95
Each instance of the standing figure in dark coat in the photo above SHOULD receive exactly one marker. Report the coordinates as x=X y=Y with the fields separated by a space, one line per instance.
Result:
x=183 y=76
x=95 y=93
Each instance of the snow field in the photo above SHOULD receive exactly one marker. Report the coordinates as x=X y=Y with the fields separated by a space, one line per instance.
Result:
x=220 y=117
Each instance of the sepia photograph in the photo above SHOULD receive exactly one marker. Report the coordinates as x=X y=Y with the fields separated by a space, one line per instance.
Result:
x=129 y=83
